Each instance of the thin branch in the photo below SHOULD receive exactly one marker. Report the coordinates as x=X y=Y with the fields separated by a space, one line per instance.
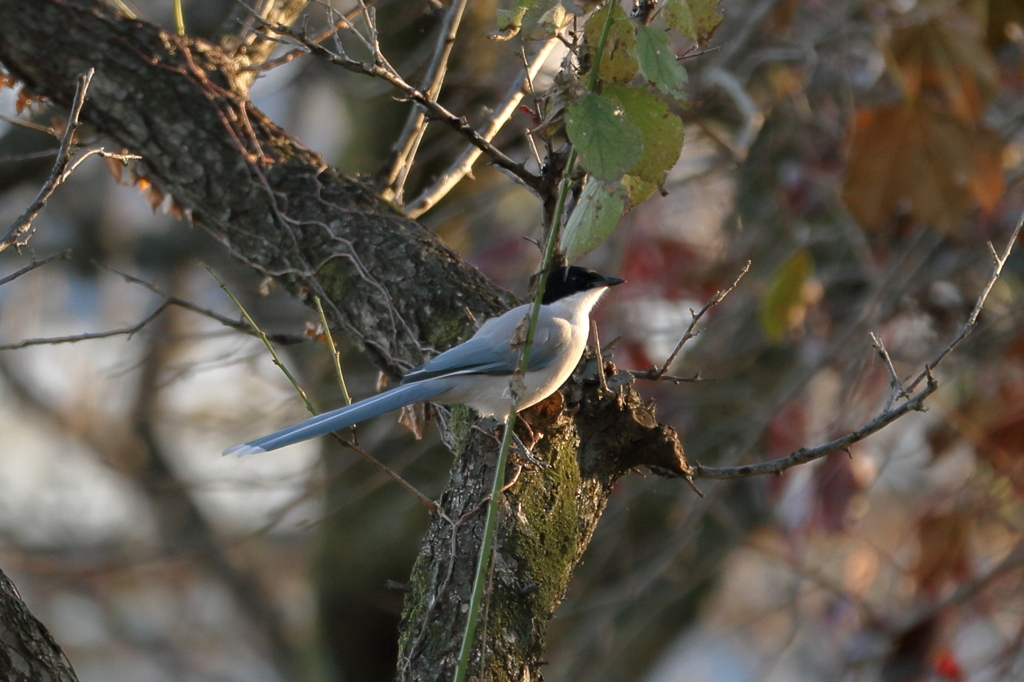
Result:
x=416 y=125
x=31 y=125
x=649 y=374
x=462 y=166
x=334 y=352
x=804 y=455
x=237 y=325
x=125 y=331
x=601 y=378
x=380 y=68
x=63 y=255
x=18 y=234
x=266 y=342
x=972 y=319
x=392 y=474
x=914 y=403
x=28 y=156
x=344 y=22
x=179 y=18
x=894 y=381
x=656 y=374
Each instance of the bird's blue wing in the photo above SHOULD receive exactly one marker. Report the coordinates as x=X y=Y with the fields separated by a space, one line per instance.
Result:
x=490 y=350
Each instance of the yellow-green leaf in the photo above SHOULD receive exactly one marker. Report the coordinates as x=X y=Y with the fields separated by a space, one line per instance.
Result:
x=618 y=61
x=783 y=306
x=543 y=20
x=662 y=131
x=695 y=19
x=512 y=18
x=637 y=189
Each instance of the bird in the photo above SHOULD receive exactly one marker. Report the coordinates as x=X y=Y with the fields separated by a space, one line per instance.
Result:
x=478 y=372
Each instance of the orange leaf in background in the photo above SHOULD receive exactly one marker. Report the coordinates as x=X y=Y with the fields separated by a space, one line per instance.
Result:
x=24 y=99
x=945 y=57
x=115 y=166
x=154 y=196
x=915 y=159
x=7 y=81
x=944 y=550
x=1001 y=442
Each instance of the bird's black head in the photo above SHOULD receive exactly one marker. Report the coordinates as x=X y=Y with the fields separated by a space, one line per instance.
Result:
x=564 y=282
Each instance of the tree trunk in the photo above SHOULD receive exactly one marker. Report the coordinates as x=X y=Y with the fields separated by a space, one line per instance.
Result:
x=397 y=291
x=28 y=653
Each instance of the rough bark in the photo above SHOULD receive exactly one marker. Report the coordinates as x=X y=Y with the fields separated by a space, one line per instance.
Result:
x=28 y=653
x=390 y=284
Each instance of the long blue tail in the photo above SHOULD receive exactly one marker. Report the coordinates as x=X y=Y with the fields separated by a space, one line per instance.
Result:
x=344 y=417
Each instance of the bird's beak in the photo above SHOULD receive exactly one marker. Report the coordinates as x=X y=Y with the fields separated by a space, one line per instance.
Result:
x=607 y=281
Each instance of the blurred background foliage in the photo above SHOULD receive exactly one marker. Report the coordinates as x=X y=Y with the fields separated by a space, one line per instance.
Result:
x=861 y=154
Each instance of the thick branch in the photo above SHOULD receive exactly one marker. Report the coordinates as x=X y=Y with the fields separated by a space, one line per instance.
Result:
x=274 y=203
x=28 y=652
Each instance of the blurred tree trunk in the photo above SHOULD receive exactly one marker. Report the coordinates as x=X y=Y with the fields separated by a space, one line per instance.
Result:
x=396 y=289
x=27 y=650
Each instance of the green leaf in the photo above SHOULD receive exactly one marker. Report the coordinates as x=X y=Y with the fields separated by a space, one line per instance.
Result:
x=595 y=218
x=543 y=19
x=657 y=62
x=695 y=19
x=511 y=19
x=783 y=306
x=618 y=61
x=661 y=131
x=608 y=144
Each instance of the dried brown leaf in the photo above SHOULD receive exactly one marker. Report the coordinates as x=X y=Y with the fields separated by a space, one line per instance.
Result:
x=916 y=160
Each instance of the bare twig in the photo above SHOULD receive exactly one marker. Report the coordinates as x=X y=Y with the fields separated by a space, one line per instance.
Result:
x=63 y=255
x=342 y=23
x=914 y=403
x=393 y=475
x=124 y=8
x=31 y=125
x=266 y=342
x=125 y=331
x=972 y=320
x=804 y=455
x=894 y=380
x=18 y=234
x=238 y=325
x=690 y=332
x=28 y=156
x=650 y=374
x=334 y=352
x=602 y=380
x=462 y=166
x=381 y=68
x=416 y=125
